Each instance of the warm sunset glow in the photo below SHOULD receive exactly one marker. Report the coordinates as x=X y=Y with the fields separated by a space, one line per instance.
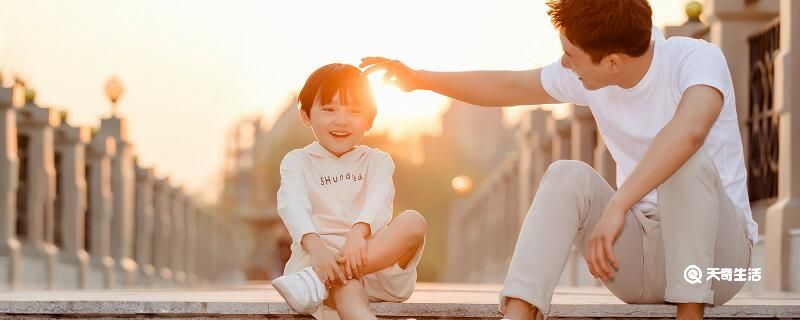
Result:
x=193 y=68
x=404 y=114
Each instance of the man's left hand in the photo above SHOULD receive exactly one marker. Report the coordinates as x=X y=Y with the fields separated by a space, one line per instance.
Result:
x=600 y=255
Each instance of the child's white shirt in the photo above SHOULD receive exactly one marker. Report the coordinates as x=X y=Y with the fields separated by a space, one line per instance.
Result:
x=325 y=194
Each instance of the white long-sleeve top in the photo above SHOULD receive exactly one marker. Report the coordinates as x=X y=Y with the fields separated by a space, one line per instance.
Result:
x=324 y=194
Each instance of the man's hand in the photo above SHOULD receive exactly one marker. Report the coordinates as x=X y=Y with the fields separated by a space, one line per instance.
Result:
x=353 y=254
x=600 y=255
x=397 y=73
x=323 y=260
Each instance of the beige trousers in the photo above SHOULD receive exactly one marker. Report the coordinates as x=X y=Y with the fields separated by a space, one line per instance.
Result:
x=695 y=223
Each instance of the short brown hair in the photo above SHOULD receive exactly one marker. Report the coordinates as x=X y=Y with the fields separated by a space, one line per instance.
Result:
x=603 y=27
x=344 y=79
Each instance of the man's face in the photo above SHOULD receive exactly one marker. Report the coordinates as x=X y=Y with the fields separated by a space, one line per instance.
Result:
x=593 y=76
x=338 y=127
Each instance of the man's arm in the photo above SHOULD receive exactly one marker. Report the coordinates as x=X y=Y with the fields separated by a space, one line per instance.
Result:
x=483 y=88
x=673 y=146
x=488 y=88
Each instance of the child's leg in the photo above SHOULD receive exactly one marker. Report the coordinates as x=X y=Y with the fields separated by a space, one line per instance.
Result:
x=398 y=243
x=351 y=301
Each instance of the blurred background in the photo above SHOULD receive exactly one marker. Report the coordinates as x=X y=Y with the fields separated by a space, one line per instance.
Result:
x=198 y=101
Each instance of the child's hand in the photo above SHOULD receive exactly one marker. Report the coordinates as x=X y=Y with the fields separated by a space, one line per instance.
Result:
x=323 y=260
x=353 y=254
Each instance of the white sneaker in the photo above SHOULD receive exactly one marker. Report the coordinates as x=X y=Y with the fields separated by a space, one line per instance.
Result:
x=302 y=290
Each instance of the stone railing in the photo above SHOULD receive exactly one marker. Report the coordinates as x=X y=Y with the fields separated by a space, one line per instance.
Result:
x=484 y=227
x=78 y=211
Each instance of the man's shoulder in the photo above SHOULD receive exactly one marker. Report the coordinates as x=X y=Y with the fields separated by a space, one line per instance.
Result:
x=680 y=47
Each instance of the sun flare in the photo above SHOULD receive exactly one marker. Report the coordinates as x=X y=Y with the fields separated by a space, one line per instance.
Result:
x=405 y=115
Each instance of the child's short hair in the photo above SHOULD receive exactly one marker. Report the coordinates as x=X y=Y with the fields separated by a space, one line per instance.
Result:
x=344 y=79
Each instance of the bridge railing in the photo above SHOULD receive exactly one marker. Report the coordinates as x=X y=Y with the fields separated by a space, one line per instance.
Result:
x=78 y=211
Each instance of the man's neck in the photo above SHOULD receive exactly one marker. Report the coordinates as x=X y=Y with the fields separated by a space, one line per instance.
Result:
x=638 y=69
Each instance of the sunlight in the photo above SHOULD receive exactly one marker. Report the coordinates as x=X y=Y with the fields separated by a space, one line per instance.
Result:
x=405 y=115
x=257 y=54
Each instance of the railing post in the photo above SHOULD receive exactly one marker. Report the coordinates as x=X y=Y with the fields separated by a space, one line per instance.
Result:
x=477 y=225
x=162 y=192
x=559 y=130
x=542 y=156
x=10 y=252
x=37 y=194
x=604 y=163
x=178 y=242
x=511 y=222
x=98 y=214
x=784 y=214
x=202 y=254
x=123 y=182
x=497 y=214
x=144 y=225
x=693 y=27
x=216 y=240
x=190 y=211
x=71 y=204
x=583 y=134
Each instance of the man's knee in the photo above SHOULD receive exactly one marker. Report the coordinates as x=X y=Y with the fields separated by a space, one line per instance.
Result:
x=570 y=171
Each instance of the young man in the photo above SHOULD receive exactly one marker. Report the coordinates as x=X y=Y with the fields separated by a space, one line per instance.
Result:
x=666 y=111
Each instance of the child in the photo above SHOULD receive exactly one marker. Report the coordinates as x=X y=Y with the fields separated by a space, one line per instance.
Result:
x=336 y=200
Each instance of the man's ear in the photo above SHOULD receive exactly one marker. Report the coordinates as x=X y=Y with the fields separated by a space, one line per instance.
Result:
x=305 y=118
x=612 y=61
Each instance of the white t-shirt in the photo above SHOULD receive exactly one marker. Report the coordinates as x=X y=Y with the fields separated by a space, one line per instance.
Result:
x=629 y=119
x=324 y=194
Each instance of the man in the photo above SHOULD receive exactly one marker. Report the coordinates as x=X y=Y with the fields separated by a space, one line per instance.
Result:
x=666 y=110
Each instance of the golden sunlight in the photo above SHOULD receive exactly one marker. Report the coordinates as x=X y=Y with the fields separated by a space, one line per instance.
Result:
x=405 y=115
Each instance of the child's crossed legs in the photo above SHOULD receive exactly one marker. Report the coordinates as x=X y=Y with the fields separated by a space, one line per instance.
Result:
x=397 y=244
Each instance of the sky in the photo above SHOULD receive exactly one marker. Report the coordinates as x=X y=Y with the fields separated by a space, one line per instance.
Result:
x=192 y=68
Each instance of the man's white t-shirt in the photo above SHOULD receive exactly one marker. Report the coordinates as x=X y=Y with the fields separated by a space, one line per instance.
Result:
x=629 y=119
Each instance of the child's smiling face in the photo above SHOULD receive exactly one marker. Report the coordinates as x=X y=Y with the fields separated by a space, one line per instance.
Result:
x=338 y=127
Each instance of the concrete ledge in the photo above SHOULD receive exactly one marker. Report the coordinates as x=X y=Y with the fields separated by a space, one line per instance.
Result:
x=430 y=301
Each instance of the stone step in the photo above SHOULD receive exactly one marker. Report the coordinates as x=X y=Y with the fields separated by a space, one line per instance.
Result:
x=453 y=301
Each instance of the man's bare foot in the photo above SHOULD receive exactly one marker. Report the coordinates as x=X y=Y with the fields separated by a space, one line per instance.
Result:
x=690 y=311
x=517 y=309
